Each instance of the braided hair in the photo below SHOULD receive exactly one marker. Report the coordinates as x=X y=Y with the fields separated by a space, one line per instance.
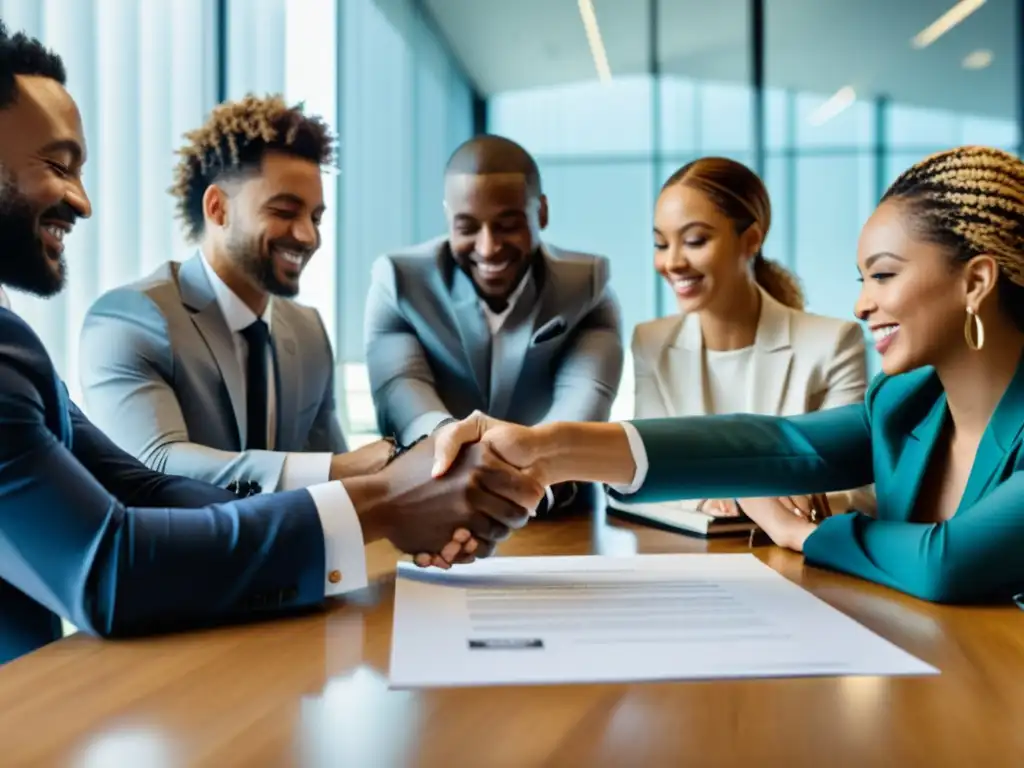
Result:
x=741 y=197
x=971 y=201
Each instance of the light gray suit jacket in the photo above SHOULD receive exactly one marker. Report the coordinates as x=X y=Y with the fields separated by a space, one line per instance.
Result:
x=161 y=377
x=428 y=346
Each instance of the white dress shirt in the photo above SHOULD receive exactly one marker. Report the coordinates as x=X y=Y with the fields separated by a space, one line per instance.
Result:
x=636 y=447
x=722 y=370
x=4 y=302
x=345 y=556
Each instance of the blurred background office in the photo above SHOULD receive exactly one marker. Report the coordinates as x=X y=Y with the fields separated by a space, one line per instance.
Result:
x=827 y=99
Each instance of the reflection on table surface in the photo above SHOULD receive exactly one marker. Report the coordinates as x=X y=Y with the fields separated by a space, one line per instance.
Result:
x=312 y=690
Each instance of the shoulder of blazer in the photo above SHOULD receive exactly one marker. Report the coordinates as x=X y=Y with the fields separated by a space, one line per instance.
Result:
x=157 y=292
x=412 y=263
x=576 y=268
x=416 y=257
x=21 y=345
x=650 y=337
x=820 y=333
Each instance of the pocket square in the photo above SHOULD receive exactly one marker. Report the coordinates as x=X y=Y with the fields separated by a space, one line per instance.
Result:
x=552 y=329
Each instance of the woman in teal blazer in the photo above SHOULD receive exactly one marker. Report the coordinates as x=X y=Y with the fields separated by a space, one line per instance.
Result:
x=939 y=433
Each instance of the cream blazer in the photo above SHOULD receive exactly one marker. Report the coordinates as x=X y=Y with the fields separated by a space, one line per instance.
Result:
x=802 y=363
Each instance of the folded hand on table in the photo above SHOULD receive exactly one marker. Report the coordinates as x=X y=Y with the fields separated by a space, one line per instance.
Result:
x=813 y=508
x=787 y=520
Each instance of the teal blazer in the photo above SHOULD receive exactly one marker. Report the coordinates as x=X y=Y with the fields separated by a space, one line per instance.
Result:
x=976 y=555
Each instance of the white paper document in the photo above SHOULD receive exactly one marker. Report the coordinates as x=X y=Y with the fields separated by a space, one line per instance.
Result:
x=534 y=620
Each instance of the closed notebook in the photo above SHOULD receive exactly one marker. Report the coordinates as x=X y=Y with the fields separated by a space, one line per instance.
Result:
x=681 y=517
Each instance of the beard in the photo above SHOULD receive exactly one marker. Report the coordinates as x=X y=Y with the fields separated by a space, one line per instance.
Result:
x=258 y=262
x=25 y=263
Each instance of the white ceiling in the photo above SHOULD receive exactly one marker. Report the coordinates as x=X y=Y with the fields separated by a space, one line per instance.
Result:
x=812 y=45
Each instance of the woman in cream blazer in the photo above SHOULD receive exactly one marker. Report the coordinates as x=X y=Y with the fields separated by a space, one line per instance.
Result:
x=741 y=342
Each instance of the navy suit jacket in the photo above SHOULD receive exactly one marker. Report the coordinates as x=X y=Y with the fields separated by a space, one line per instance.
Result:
x=90 y=534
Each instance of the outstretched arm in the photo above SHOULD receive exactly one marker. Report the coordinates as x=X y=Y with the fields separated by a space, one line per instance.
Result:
x=680 y=458
x=401 y=381
x=114 y=569
x=973 y=556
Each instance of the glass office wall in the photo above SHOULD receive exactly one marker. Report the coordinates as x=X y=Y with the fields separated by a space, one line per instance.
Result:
x=883 y=93
x=848 y=100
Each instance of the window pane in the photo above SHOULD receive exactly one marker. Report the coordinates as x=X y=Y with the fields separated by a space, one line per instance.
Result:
x=589 y=118
x=834 y=197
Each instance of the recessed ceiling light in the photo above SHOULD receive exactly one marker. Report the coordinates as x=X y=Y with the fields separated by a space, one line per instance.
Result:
x=977 y=60
x=945 y=22
x=597 y=50
x=838 y=102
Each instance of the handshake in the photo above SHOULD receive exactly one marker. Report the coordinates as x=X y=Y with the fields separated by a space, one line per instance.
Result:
x=455 y=495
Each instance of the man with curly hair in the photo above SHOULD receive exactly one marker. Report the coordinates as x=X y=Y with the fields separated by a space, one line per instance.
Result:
x=207 y=368
x=89 y=533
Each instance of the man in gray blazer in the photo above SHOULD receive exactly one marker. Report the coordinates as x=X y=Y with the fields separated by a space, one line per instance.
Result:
x=207 y=368
x=490 y=318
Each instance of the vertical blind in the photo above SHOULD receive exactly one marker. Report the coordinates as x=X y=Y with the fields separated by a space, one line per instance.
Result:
x=142 y=73
x=145 y=71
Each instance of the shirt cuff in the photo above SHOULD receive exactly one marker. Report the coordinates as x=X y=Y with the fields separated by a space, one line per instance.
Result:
x=639 y=451
x=423 y=425
x=344 y=553
x=301 y=470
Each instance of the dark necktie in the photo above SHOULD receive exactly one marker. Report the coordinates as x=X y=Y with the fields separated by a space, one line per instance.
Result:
x=258 y=336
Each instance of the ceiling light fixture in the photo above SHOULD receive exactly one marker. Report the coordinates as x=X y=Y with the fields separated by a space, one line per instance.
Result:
x=604 y=72
x=836 y=103
x=977 y=60
x=945 y=22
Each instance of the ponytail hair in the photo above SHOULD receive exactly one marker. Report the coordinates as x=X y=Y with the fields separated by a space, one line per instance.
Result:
x=778 y=282
x=741 y=196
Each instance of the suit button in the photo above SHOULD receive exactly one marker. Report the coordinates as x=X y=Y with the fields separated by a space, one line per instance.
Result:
x=334 y=577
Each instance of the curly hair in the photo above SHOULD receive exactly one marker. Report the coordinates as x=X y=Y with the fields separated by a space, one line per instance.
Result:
x=970 y=200
x=232 y=143
x=741 y=196
x=23 y=55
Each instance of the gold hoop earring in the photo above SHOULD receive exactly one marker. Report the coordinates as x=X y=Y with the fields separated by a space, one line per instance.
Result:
x=975 y=336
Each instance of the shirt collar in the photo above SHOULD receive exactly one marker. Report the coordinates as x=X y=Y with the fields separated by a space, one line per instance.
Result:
x=512 y=299
x=236 y=314
x=4 y=301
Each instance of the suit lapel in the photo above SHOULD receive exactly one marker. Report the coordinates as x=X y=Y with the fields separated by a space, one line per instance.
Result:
x=996 y=449
x=198 y=296
x=473 y=331
x=527 y=317
x=287 y=376
x=913 y=463
x=680 y=371
x=773 y=357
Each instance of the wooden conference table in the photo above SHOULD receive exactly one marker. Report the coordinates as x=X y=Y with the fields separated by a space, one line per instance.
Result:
x=313 y=691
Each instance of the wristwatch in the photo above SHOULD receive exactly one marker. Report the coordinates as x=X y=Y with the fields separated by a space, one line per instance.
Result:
x=397 y=448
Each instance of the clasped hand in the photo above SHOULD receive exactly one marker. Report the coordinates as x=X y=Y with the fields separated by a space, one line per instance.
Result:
x=787 y=520
x=508 y=447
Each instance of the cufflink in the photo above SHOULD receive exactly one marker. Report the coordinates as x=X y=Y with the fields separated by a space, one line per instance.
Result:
x=334 y=577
